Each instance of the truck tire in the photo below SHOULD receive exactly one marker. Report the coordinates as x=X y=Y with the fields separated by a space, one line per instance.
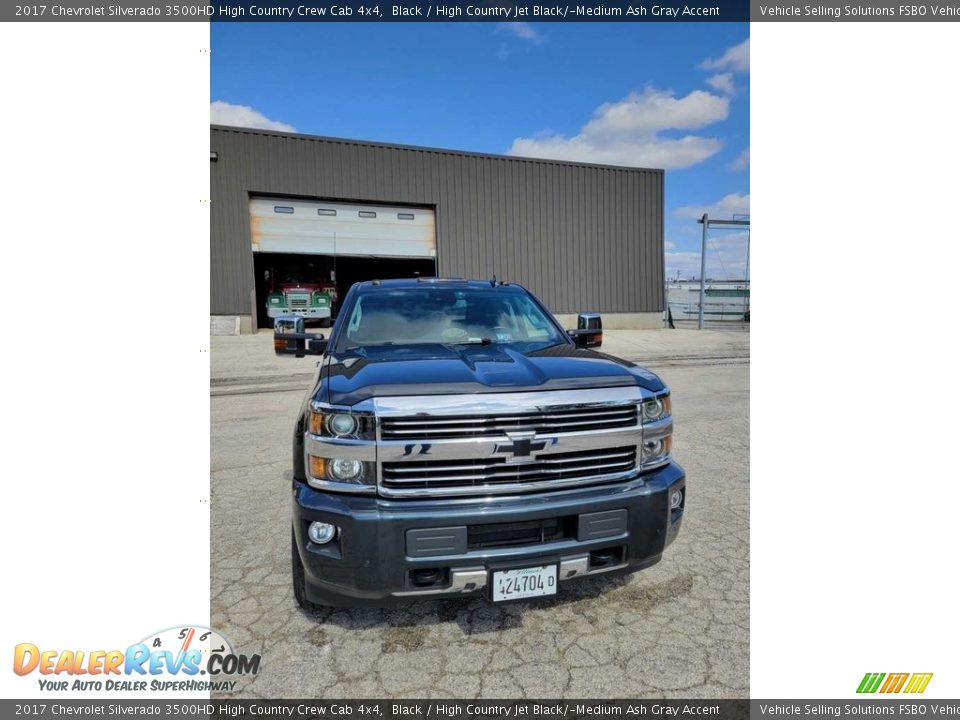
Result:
x=299 y=582
x=326 y=322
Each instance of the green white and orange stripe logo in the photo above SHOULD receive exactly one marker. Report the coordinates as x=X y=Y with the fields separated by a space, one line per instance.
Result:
x=894 y=682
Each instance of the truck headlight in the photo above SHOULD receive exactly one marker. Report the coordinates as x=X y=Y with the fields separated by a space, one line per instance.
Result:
x=656 y=449
x=344 y=469
x=349 y=474
x=656 y=409
x=332 y=423
x=341 y=424
x=655 y=416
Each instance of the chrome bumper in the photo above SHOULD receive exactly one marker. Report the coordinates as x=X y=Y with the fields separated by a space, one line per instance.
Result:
x=309 y=313
x=469 y=580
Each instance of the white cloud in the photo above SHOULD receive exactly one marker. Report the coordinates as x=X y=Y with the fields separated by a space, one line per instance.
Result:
x=654 y=110
x=523 y=30
x=668 y=245
x=736 y=59
x=627 y=132
x=726 y=258
x=653 y=153
x=224 y=113
x=685 y=265
x=741 y=162
x=724 y=209
x=722 y=82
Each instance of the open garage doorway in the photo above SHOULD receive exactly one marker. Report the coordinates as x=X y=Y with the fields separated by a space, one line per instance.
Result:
x=308 y=252
x=299 y=276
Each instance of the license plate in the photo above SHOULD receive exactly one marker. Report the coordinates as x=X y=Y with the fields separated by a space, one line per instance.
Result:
x=524 y=583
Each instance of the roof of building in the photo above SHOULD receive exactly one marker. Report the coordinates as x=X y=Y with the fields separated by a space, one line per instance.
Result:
x=424 y=149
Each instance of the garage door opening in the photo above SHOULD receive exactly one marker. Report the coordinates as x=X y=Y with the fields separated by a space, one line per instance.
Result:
x=307 y=253
x=316 y=284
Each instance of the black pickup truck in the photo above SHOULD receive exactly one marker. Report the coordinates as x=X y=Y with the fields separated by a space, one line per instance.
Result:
x=457 y=441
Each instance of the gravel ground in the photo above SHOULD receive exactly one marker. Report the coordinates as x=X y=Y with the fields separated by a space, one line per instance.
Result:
x=679 y=629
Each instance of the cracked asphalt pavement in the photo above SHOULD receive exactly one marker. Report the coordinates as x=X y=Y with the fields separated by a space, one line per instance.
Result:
x=679 y=629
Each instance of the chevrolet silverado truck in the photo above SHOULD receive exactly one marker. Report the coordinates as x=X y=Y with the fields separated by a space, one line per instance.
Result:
x=457 y=441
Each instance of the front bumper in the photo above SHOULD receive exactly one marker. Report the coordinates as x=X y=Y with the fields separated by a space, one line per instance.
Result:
x=317 y=313
x=373 y=558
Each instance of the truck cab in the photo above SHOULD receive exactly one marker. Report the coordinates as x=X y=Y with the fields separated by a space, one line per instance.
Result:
x=457 y=441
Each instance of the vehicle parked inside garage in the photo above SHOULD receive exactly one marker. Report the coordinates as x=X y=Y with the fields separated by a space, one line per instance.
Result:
x=458 y=441
x=300 y=291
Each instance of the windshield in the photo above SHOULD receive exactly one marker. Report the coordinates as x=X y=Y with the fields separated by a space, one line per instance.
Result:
x=300 y=277
x=449 y=316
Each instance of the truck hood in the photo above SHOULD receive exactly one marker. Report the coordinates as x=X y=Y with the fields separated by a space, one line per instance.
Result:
x=302 y=287
x=464 y=369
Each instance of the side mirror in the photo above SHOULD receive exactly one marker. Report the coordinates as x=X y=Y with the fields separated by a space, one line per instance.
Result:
x=290 y=339
x=586 y=338
x=589 y=332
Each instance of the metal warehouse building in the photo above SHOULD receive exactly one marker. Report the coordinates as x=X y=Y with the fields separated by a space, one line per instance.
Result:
x=582 y=237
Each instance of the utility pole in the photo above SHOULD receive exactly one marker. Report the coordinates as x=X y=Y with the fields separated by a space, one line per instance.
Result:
x=708 y=223
x=703 y=268
x=746 y=274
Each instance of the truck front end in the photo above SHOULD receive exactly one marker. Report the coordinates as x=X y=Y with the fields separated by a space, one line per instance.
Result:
x=309 y=302
x=458 y=442
x=505 y=495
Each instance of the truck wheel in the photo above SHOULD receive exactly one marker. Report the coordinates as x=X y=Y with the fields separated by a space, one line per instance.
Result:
x=326 y=322
x=299 y=582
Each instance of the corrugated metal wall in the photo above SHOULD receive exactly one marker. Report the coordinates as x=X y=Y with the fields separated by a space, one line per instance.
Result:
x=582 y=237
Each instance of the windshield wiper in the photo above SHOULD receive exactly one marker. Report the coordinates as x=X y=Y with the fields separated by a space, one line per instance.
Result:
x=360 y=346
x=474 y=341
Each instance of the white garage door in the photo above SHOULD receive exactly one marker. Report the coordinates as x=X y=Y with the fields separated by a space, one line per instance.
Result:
x=280 y=225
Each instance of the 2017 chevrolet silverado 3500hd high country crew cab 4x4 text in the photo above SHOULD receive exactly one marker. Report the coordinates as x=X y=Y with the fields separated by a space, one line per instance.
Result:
x=456 y=440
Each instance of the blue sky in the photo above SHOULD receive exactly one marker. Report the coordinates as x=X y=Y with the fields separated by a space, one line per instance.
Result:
x=673 y=95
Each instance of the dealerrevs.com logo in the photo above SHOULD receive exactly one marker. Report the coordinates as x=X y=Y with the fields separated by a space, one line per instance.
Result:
x=894 y=682
x=181 y=659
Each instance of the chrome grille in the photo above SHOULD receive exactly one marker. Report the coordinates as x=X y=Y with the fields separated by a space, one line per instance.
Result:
x=494 y=473
x=298 y=300
x=567 y=420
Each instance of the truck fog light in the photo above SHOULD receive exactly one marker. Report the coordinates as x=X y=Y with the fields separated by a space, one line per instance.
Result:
x=676 y=499
x=344 y=469
x=341 y=424
x=321 y=533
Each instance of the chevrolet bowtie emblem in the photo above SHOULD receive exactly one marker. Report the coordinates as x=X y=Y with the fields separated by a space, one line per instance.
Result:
x=521 y=446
